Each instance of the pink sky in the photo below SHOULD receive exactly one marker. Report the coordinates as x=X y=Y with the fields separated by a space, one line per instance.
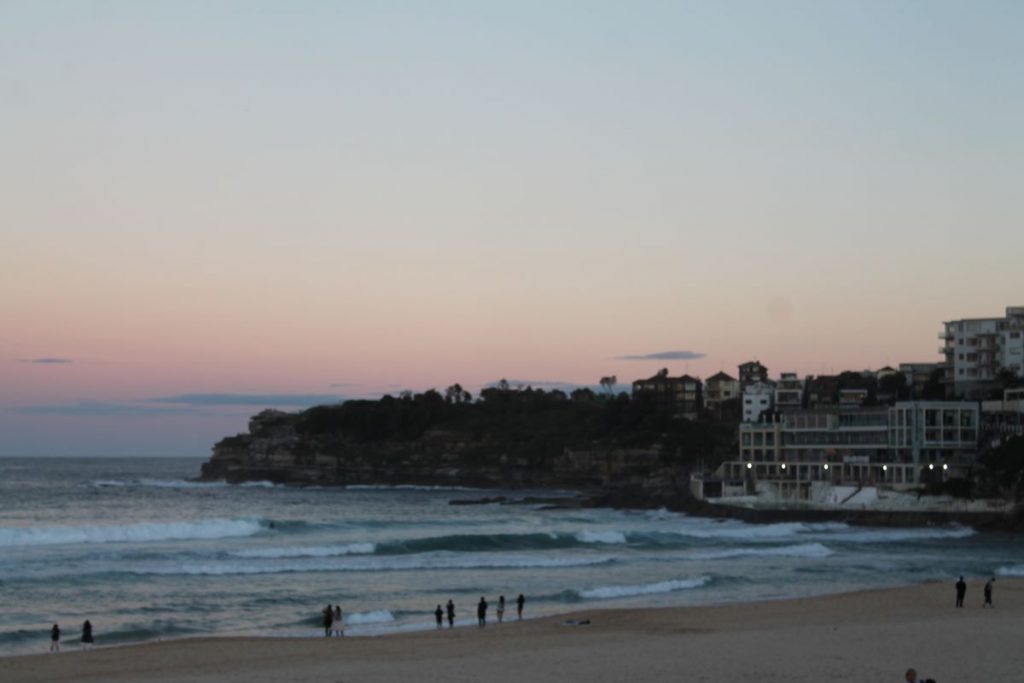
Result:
x=348 y=200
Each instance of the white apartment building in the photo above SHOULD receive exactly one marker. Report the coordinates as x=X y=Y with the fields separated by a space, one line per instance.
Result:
x=758 y=399
x=978 y=349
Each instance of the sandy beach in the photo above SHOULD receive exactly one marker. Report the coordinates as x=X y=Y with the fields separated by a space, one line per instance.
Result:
x=865 y=636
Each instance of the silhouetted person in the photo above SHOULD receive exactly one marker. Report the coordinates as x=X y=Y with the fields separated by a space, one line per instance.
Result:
x=520 y=601
x=328 y=620
x=481 y=612
x=339 y=621
x=961 y=591
x=451 y=614
x=439 y=616
x=86 y=634
x=55 y=638
x=988 y=593
x=501 y=608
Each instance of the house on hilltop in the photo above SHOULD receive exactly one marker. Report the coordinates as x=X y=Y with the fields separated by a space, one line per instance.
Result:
x=682 y=396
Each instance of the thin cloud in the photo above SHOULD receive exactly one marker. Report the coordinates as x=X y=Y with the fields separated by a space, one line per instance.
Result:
x=282 y=400
x=666 y=355
x=49 y=361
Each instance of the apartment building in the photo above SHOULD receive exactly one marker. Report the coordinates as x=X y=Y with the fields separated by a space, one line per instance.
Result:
x=976 y=350
x=758 y=399
x=789 y=392
x=718 y=388
x=682 y=396
x=751 y=372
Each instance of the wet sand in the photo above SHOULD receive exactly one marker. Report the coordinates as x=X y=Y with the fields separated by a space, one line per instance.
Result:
x=865 y=636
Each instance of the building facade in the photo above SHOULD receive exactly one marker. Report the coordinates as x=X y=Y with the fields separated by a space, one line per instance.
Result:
x=751 y=372
x=719 y=388
x=682 y=396
x=789 y=393
x=908 y=444
x=758 y=400
x=977 y=350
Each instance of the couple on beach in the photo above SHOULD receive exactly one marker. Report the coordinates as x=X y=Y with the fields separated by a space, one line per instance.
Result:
x=333 y=621
x=961 y=591
x=87 y=639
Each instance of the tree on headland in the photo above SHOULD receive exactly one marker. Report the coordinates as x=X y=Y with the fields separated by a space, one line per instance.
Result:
x=608 y=384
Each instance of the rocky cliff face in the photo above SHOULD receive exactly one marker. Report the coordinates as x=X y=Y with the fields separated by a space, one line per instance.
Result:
x=273 y=450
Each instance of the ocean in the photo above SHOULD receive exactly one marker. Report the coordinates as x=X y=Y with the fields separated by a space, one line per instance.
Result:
x=144 y=554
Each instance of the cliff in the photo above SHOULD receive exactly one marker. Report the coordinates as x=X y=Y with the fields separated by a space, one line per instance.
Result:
x=554 y=445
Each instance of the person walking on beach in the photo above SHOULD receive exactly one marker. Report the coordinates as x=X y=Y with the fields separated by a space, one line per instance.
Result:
x=520 y=601
x=501 y=608
x=961 y=591
x=328 y=620
x=481 y=612
x=86 y=635
x=439 y=616
x=55 y=638
x=451 y=614
x=988 y=593
x=339 y=621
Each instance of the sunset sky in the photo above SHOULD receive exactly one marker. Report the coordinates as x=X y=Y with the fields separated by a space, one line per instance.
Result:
x=211 y=207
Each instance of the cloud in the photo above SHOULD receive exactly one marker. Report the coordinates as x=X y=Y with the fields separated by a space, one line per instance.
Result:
x=280 y=400
x=48 y=361
x=666 y=355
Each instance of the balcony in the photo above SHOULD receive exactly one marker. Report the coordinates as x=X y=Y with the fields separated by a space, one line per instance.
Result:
x=945 y=335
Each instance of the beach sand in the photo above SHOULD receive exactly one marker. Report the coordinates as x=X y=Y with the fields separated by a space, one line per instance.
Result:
x=865 y=636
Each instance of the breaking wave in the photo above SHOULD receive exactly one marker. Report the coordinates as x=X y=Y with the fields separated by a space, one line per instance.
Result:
x=811 y=550
x=309 y=551
x=609 y=592
x=131 y=533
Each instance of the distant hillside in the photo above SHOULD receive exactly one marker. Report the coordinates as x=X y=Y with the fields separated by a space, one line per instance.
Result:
x=506 y=438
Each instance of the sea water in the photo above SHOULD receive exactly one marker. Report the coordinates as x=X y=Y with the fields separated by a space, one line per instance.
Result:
x=144 y=553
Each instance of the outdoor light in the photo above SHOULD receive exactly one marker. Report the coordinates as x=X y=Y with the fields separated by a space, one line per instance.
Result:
x=783 y=465
x=885 y=468
x=931 y=466
x=945 y=467
x=826 y=466
x=749 y=465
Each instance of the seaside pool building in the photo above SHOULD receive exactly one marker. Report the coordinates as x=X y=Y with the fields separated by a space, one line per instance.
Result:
x=792 y=455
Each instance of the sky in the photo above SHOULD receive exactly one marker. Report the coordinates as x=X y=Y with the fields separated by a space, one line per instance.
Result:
x=208 y=208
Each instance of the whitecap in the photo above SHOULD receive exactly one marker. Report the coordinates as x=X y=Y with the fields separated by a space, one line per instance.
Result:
x=600 y=537
x=608 y=592
x=810 y=550
x=309 y=551
x=130 y=533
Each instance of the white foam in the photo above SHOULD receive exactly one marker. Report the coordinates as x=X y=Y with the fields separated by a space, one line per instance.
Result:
x=608 y=592
x=135 y=533
x=380 y=616
x=601 y=537
x=811 y=550
x=309 y=551
x=1015 y=570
